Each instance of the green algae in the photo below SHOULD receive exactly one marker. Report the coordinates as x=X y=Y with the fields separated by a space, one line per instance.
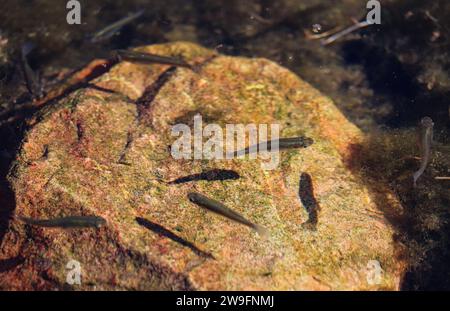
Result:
x=226 y=90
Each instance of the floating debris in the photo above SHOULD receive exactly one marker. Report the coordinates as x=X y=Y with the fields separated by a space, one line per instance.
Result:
x=110 y=30
x=426 y=128
x=66 y=222
x=221 y=209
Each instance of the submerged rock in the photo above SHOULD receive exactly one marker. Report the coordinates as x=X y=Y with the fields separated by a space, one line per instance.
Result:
x=96 y=152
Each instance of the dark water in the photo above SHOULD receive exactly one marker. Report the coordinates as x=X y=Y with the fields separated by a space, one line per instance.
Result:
x=384 y=76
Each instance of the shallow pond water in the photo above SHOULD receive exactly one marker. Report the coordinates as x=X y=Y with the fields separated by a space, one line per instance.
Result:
x=383 y=78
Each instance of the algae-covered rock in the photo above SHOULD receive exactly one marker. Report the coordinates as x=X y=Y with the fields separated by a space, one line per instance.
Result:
x=101 y=151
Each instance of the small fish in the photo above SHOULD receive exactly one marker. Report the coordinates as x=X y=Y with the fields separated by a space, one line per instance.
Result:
x=211 y=175
x=31 y=79
x=66 y=222
x=283 y=143
x=426 y=127
x=219 y=208
x=142 y=57
x=110 y=30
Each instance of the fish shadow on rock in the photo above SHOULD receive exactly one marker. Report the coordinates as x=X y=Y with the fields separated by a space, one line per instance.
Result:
x=306 y=194
x=158 y=229
x=210 y=175
x=11 y=263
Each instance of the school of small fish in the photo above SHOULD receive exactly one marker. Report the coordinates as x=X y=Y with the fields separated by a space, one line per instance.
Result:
x=306 y=194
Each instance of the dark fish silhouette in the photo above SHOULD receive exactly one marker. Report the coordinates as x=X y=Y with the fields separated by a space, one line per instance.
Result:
x=211 y=175
x=221 y=209
x=306 y=194
x=31 y=79
x=66 y=222
x=169 y=234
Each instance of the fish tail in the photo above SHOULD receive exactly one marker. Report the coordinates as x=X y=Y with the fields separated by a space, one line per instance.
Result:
x=26 y=220
x=262 y=231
